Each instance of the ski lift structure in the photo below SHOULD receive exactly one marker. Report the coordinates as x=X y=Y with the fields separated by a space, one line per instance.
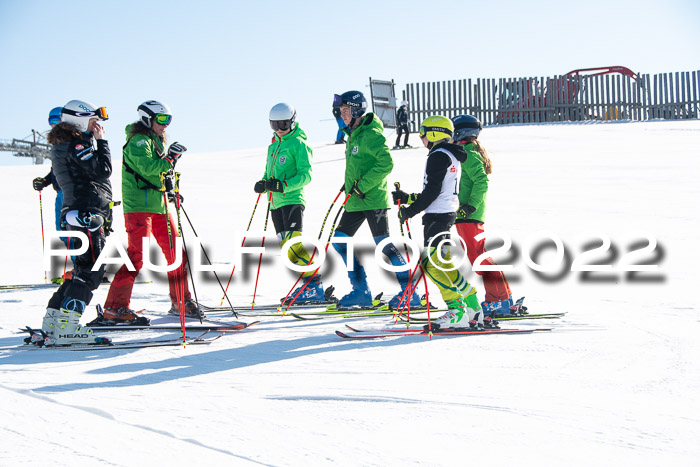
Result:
x=37 y=148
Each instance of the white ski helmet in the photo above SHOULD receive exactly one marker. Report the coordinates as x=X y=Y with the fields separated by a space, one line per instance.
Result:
x=282 y=117
x=404 y=102
x=154 y=109
x=79 y=113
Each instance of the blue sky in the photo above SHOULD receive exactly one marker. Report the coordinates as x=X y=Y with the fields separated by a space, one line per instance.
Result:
x=221 y=66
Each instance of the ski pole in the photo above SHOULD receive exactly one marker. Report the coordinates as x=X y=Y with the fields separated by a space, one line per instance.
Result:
x=208 y=260
x=328 y=242
x=242 y=243
x=408 y=257
x=323 y=226
x=186 y=261
x=179 y=296
x=425 y=282
x=43 y=246
x=257 y=275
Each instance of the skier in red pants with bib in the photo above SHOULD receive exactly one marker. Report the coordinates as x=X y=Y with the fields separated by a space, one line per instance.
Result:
x=473 y=186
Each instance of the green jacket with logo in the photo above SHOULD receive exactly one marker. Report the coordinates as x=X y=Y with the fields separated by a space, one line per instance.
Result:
x=142 y=154
x=367 y=161
x=474 y=184
x=289 y=160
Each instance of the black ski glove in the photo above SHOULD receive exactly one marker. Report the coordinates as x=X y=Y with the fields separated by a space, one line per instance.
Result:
x=356 y=191
x=175 y=152
x=259 y=186
x=40 y=183
x=405 y=213
x=399 y=196
x=465 y=210
x=274 y=185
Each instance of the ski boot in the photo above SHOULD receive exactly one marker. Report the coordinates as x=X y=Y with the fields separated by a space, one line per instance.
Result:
x=62 y=328
x=191 y=310
x=356 y=298
x=399 y=300
x=455 y=317
x=118 y=316
x=312 y=293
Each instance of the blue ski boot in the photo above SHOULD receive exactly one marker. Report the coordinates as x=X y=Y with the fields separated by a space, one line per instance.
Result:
x=360 y=295
x=399 y=300
x=499 y=309
x=313 y=292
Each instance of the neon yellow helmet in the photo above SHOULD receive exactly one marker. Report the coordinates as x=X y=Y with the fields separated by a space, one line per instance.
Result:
x=437 y=128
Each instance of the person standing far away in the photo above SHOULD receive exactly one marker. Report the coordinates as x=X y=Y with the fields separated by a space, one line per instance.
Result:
x=402 y=125
x=340 y=136
x=439 y=202
x=39 y=183
x=368 y=162
x=146 y=212
x=82 y=165
x=473 y=186
x=287 y=171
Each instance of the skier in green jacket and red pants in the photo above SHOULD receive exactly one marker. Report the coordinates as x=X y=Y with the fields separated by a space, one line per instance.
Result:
x=473 y=186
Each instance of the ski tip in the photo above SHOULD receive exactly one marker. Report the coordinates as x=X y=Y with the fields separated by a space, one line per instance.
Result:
x=342 y=334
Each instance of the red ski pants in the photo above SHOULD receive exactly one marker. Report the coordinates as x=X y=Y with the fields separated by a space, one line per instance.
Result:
x=138 y=226
x=495 y=283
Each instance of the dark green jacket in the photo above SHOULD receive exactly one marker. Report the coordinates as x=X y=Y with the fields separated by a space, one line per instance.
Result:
x=289 y=160
x=367 y=161
x=474 y=184
x=141 y=153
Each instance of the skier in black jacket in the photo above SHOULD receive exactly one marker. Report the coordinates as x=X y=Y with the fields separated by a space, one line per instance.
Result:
x=82 y=165
x=402 y=125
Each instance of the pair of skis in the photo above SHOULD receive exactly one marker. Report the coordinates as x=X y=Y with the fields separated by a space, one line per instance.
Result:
x=382 y=333
x=102 y=343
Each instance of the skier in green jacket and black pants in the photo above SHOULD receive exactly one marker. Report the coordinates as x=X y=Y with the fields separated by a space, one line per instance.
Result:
x=368 y=163
x=287 y=171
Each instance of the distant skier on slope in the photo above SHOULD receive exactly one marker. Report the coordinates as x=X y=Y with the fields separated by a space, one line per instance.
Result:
x=402 y=125
x=473 y=186
x=439 y=201
x=287 y=171
x=146 y=212
x=82 y=169
x=368 y=162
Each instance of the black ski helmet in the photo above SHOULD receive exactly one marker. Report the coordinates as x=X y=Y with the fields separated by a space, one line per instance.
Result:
x=466 y=126
x=353 y=99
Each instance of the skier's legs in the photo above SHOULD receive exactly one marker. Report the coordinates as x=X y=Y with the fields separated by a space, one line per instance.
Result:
x=495 y=282
x=405 y=140
x=138 y=226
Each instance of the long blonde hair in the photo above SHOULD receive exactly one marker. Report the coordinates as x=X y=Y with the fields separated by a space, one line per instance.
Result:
x=488 y=167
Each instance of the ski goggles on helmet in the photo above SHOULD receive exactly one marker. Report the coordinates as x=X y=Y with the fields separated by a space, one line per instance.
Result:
x=100 y=113
x=337 y=100
x=426 y=129
x=163 y=119
x=54 y=120
x=279 y=125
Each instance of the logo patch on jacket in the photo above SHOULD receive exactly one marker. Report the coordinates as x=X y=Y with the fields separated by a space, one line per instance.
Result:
x=79 y=147
x=142 y=142
x=283 y=159
x=355 y=150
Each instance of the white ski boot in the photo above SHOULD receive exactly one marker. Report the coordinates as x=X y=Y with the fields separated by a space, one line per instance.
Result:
x=62 y=327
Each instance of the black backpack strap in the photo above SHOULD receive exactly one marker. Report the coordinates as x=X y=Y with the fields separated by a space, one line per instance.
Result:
x=139 y=179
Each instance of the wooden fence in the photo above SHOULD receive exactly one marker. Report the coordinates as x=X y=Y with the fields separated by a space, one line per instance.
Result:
x=558 y=99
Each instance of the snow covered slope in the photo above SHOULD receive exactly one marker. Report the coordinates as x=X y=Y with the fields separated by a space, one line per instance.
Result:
x=614 y=383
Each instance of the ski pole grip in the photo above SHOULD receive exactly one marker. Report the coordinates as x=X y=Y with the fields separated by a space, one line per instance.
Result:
x=397 y=185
